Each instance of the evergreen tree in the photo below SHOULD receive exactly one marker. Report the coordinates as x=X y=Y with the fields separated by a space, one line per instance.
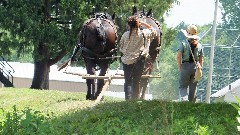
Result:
x=48 y=28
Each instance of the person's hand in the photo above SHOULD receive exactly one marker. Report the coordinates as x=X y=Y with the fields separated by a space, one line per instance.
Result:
x=199 y=65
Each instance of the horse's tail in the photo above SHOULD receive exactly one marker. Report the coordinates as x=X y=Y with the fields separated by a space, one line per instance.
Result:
x=101 y=36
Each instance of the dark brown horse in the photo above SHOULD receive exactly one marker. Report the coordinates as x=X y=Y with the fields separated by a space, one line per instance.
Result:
x=97 y=43
x=154 y=47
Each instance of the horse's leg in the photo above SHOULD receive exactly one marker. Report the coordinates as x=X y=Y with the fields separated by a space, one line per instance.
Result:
x=89 y=88
x=100 y=82
x=90 y=66
x=144 y=82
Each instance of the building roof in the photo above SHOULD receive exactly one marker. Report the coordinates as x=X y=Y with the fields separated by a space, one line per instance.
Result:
x=26 y=70
x=229 y=88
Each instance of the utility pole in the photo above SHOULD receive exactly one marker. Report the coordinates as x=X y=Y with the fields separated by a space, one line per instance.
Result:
x=209 y=84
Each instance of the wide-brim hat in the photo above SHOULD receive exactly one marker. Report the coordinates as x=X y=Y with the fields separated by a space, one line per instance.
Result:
x=190 y=32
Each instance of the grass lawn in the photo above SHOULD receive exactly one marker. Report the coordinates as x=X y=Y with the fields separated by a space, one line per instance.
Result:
x=27 y=111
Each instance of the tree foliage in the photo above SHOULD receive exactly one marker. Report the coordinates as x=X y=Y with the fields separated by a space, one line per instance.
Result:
x=30 y=22
x=231 y=13
x=123 y=9
x=47 y=28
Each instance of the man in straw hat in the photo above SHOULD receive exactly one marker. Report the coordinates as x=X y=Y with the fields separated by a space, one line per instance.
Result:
x=189 y=58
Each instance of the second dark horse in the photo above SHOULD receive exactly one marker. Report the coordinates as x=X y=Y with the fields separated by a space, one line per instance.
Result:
x=154 y=47
x=97 y=43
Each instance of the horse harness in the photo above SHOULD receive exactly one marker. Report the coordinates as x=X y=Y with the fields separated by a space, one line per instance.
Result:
x=99 y=18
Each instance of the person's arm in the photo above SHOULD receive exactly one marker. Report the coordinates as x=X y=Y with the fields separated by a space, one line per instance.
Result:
x=153 y=31
x=179 y=58
x=145 y=24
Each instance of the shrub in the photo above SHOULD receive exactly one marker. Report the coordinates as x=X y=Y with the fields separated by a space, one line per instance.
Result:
x=237 y=106
x=26 y=121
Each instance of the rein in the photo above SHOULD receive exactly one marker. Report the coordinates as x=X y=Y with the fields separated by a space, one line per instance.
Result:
x=98 y=56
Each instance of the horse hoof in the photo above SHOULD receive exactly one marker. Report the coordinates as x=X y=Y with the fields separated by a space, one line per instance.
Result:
x=88 y=98
x=102 y=98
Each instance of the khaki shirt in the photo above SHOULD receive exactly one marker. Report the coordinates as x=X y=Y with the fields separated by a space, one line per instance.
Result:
x=131 y=48
x=185 y=49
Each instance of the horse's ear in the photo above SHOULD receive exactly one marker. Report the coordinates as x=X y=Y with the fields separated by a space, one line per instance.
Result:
x=93 y=11
x=143 y=9
x=134 y=9
x=149 y=12
x=105 y=9
x=113 y=16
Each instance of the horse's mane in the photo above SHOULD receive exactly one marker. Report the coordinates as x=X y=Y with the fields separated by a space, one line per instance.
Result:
x=141 y=14
x=102 y=15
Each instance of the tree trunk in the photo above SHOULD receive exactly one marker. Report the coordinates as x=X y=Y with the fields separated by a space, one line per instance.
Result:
x=41 y=75
x=42 y=63
x=41 y=67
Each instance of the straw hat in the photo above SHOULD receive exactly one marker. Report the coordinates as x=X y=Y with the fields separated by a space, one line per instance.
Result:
x=191 y=32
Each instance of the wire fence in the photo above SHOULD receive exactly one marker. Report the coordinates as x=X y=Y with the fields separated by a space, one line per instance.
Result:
x=225 y=63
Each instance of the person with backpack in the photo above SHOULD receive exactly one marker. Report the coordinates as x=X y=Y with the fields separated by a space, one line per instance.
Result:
x=190 y=61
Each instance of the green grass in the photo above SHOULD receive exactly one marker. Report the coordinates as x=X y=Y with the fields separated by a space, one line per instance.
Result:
x=26 y=111
x=43 y=100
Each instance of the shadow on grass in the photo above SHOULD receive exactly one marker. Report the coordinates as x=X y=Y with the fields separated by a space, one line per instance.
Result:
x=145 y=117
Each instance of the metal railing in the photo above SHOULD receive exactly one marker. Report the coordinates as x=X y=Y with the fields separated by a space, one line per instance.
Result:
x=6 y=69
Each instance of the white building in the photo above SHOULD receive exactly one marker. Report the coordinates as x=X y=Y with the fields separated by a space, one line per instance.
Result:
x=228 y=93
x=59 y=80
